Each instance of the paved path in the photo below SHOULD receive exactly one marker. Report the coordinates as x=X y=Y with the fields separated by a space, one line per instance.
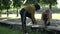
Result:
x=16 y=20
x=12 y=19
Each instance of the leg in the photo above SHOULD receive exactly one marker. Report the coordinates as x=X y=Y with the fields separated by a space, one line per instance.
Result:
x=23 y=19
x=33 y=19
x=31 y=16
x=23 y=24
x=45 y=24
x=45 y=21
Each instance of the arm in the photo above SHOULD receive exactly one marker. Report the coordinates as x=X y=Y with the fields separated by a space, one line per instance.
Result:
x=33 y=18
x=42 y=16
x=49 y=17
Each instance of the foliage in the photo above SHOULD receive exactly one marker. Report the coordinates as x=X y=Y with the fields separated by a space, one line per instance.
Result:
x=32 y=1
x=17 y=3
x=49 y=2
x=52 y=2
x=1 y=4
x=6 y=4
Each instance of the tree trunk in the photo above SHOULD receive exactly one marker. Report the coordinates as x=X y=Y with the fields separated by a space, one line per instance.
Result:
x=50 y=6
x=7 y=13
x=17 y=12
x=0 y=12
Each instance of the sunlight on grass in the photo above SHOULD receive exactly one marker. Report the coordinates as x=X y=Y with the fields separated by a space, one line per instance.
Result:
x=54 y=16
x=37 y=16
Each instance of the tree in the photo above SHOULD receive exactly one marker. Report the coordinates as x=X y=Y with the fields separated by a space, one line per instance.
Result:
x=32 y=1
x=17 y=4
x=6 y=5
x=0 y=7
x=49 y=2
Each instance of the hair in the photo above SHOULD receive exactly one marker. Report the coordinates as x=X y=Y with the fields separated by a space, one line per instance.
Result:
x=37 y=6
x=47 y=10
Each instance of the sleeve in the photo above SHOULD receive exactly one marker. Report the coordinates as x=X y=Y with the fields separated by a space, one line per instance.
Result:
x=42 y=16
x=33 y=18
x=50 y=16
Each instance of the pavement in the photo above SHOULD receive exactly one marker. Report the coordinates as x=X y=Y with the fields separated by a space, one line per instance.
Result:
x=12 y=19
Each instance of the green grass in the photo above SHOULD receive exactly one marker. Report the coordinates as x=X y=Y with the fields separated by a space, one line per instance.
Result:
x=5 y=30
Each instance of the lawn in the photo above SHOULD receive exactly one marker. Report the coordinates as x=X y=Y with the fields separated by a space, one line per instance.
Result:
x=5 y=30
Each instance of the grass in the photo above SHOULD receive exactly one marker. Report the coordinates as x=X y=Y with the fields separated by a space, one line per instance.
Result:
x=5 y=30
